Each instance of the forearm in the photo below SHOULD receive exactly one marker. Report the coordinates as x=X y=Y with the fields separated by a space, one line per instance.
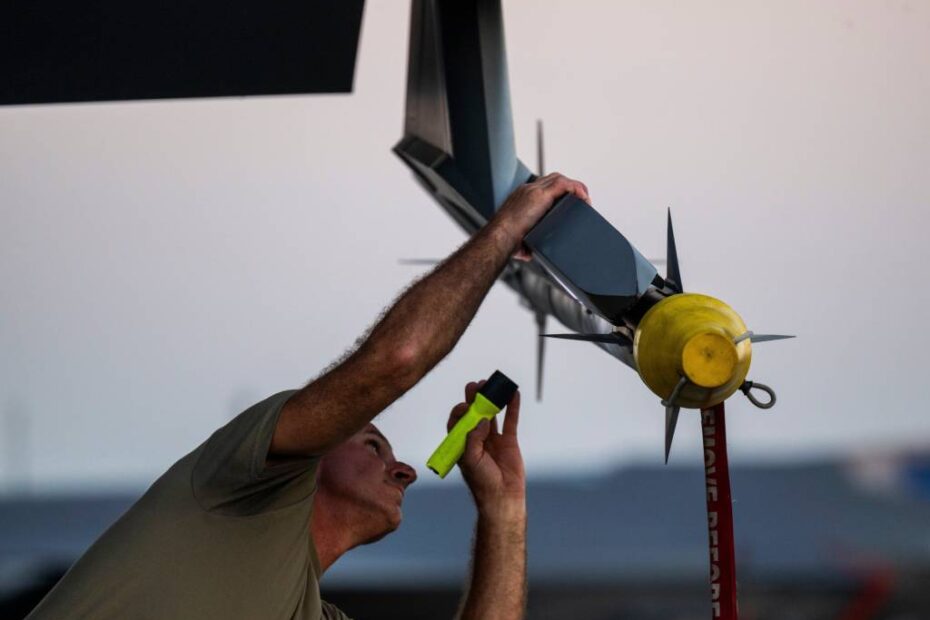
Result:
x=414 y=335
x=417 y=332
x=431 y=316
x=497 y=588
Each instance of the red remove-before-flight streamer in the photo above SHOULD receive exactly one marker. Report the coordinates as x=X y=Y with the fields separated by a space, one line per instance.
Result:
x=719 y=515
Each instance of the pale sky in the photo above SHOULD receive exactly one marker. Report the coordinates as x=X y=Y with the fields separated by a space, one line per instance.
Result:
x=163 y=264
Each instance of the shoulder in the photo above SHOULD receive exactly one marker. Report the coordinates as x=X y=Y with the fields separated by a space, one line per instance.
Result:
x=232 y=474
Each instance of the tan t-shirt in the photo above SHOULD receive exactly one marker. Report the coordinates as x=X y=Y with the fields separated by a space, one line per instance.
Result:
x=219 y=535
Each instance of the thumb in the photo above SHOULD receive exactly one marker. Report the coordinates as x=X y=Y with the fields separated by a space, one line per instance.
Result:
x=474 y=445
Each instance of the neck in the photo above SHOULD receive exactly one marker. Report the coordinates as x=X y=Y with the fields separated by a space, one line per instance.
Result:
x=331 y=530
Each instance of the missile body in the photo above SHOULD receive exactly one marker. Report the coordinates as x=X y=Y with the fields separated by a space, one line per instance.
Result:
x=691 y=350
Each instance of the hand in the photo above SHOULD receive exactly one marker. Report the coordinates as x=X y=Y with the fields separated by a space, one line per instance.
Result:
x=492 y=464
x=527 y=204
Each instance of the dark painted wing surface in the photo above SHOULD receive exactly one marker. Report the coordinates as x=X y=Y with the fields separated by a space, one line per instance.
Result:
x=458 y=130
x=101 y=50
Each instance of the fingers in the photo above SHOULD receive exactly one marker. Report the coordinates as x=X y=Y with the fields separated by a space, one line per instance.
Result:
x=587 y=194
x=512 y=417
x=455 y=415
x=556 y=184
x=472 y=388
x=530 y=202
x=474 y=445
x=459 y=410
x=523 y=254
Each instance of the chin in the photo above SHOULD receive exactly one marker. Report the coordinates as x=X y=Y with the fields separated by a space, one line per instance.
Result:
x=394 y=517
x=390 y=521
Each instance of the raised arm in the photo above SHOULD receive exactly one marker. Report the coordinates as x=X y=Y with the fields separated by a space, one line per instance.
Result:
x=493 y=469
x=417 y=331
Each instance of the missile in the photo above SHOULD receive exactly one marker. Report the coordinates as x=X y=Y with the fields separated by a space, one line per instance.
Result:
x=693 y=351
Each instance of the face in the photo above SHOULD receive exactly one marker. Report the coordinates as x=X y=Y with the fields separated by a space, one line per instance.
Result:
x=364 y=475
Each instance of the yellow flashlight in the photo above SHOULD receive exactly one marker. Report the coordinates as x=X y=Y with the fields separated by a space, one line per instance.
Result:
x=490 y=399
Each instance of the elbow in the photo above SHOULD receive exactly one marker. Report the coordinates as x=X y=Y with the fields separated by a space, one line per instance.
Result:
x=406 y=366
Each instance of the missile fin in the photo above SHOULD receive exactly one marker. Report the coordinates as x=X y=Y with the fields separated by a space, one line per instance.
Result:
x=419 y=261
x=540 y=352
x=768 y=337
x=671 y=420
x=609 y=338
x=540 y=149
x=672 y=272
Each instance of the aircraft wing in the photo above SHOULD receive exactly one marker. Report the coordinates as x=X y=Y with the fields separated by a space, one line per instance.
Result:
x=458 y=129
x=100 y=50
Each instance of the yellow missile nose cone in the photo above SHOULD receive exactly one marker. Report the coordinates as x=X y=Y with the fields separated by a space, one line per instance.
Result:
x=709 y=359
x=691 y=335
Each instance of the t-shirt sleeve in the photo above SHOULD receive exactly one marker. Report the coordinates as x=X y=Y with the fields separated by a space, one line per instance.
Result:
x=331 y=612
x=231 y=474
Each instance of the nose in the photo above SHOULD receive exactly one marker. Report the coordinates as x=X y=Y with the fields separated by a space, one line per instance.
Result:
x=404 y=474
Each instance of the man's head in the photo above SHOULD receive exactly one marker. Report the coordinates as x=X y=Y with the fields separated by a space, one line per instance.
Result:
x=363 y=485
